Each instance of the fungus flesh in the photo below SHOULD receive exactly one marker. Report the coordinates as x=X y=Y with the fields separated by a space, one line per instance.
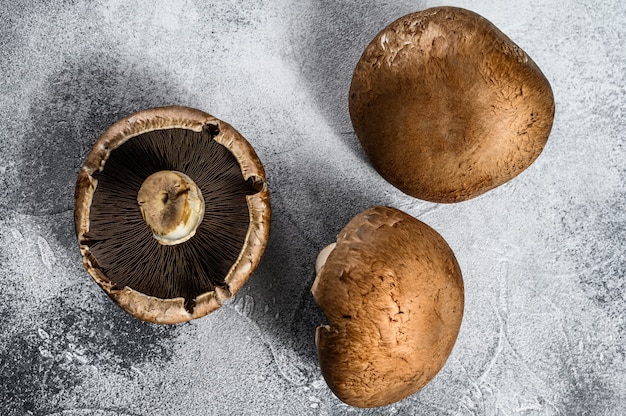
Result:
x=447 y=107
x=392 y=292
x=169 y=224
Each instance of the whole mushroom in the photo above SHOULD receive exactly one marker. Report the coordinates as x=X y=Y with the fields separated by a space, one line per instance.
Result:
x=447 y=107
x=172 y=213
x=392 y=291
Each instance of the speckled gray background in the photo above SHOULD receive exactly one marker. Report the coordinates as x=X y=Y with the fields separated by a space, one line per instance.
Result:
x=543 y=257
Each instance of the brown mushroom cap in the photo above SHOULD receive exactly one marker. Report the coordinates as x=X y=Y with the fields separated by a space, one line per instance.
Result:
x=187 y=279
x=392 y=292
x=447 y=107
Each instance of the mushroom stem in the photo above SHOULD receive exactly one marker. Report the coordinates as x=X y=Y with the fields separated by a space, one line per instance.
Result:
x=172 y=206
x=323 y=256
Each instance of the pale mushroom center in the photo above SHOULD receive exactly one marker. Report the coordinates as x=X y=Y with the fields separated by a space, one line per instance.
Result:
x=323 y=256
x=172 y=206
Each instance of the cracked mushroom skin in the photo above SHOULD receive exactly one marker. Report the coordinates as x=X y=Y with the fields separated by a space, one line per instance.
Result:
x=447 y=107
x=171 y=213
x=392 y=292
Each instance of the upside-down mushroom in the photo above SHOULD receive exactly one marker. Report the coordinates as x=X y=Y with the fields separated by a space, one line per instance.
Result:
x=392 y=292
x=171 y=212
x=447 y=107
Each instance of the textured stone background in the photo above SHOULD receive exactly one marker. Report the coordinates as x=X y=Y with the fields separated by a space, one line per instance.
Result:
x=543 y=257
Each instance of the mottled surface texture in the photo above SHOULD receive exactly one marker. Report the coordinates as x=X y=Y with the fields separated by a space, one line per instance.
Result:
x=392 y=292
x=543 y=256
x=447 y=107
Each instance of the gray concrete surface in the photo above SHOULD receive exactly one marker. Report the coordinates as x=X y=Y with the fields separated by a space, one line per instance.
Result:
x=543 y=257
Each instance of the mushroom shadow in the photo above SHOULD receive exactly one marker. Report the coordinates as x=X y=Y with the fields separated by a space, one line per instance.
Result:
x=330 y=44
x=78 y=328
x=71 y=343
x=76 y=104
x=306 y=216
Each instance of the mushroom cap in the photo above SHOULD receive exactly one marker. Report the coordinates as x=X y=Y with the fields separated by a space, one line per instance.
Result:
x=174 y=310
x=447 y=107
x=392 y=292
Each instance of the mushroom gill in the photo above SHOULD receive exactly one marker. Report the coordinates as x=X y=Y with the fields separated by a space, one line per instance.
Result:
x=123 y=244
